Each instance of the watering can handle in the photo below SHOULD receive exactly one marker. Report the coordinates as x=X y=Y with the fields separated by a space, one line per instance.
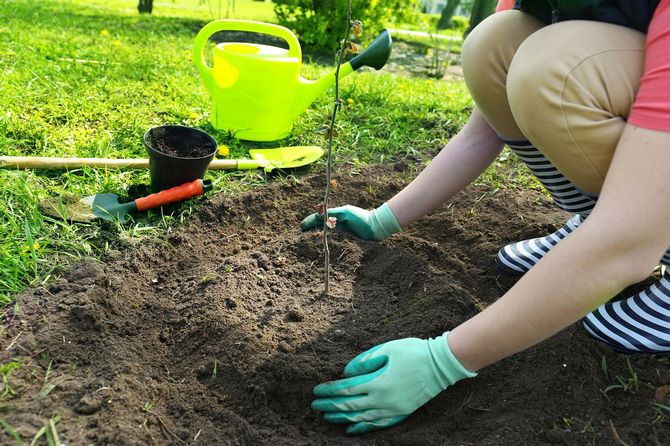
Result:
x=239 y=25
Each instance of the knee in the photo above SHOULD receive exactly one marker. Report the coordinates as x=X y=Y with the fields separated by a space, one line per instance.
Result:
x=475 y=53
x=489 y=48
x=529 y=80
x=580 y=67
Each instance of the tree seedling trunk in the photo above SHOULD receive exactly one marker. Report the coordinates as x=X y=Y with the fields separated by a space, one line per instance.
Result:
x=346 y=47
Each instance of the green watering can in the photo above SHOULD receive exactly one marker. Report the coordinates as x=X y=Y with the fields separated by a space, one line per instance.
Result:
x=257 y=91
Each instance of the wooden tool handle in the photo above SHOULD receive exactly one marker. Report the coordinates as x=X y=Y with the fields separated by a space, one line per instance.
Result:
x=40 y=162
x=35 y=162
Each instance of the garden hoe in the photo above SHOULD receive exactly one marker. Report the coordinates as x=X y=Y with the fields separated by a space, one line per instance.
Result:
x=267 y=159
x=107 y=206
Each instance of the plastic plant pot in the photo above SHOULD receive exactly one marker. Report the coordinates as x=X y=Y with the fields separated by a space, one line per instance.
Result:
x=177 y=155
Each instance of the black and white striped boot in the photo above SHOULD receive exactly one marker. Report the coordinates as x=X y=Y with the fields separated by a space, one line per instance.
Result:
x=638 y=324
x=566 y=196
x=517 y=258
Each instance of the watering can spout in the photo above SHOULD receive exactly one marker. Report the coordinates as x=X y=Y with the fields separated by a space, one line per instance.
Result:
x=375 y=56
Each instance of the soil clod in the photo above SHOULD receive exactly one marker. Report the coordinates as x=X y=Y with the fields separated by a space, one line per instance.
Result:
x=88 y=405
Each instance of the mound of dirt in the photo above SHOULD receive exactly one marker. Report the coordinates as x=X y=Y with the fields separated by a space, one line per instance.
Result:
x=217 y=333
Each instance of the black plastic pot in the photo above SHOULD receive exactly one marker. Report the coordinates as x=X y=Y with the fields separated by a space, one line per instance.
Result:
x=177 y=155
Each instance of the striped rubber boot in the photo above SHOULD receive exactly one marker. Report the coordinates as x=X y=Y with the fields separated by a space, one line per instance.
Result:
x=566 y=196
x=517 y=258
x=639 y=324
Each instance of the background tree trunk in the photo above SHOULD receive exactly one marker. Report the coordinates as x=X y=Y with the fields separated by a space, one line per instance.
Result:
x=145 y=6
x=447 y=14
x=481 y=9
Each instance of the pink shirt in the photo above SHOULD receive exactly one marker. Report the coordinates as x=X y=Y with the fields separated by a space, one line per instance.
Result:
x=651 y=108
x=505 y=4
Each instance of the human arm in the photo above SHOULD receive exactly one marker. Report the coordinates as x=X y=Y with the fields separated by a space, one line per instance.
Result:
x=462 y=160
x=616 y=246
x=620 y=242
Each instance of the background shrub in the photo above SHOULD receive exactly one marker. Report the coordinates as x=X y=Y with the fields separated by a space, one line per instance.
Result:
x=321 y=23
x=459 y=24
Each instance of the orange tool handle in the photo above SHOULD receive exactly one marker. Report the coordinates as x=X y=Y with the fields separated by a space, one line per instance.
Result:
x=173 y=195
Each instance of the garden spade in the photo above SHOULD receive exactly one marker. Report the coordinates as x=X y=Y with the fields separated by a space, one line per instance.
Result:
x=107 y=206
x=267 y=159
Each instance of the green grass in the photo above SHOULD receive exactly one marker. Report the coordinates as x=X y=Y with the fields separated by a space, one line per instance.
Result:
x=423 y=22
x=626 y=383
x=88 y=78
x=431 y=42
x=48 y=432
x=6 y=370
x=197 y=9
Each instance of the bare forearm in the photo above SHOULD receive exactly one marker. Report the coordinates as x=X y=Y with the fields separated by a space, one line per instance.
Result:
x=616 y=246
x=466 y=156
x=567 y=284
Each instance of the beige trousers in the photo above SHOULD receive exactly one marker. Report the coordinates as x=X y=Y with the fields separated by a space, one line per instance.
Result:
x=567 y=88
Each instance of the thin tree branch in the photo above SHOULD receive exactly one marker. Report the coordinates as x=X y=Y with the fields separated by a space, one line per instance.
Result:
x=329 y=161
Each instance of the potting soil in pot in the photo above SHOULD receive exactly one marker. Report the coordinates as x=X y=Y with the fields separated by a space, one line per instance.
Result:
x=180 y=145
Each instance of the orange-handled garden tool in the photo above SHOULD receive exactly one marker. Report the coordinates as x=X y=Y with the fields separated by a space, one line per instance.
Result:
x=107 y=206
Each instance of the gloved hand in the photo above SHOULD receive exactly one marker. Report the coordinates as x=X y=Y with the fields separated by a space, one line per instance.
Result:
x=368 y=225
x=385 y=384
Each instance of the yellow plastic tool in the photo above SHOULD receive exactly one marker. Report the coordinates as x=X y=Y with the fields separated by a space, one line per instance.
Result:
x=257 y=91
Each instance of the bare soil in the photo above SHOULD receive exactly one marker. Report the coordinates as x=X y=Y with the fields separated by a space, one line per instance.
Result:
x=216 y=333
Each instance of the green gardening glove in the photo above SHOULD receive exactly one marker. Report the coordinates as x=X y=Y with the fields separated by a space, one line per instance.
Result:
x=385 y=384
x=368 y=225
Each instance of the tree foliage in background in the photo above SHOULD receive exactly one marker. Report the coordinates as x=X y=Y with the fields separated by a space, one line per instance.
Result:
x=447 y=14
x=320 y=23
x=460 y=24
x=145 y=6
x=481 y=9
